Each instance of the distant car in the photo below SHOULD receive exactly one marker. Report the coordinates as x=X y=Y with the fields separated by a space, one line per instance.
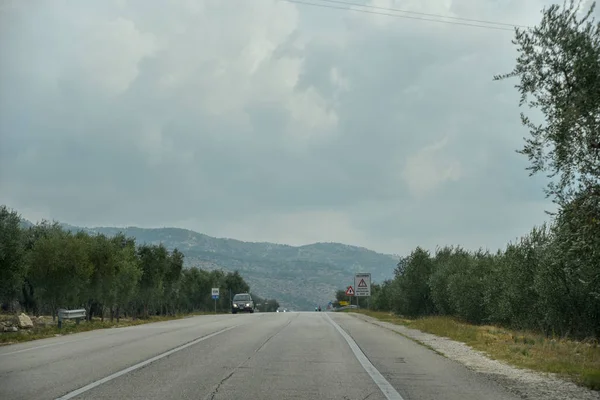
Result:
x=242 y=302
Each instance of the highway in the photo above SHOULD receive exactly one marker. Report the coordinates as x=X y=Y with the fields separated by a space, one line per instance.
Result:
x=298 y=355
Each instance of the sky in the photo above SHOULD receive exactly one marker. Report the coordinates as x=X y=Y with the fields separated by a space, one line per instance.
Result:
x=267 y=120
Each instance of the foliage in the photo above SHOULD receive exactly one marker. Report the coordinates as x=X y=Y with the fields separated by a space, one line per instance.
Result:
x=12 y=253
x=273 y=270
x=44 y=267
x=265 y=305
x=539 y=283
x=412 y=276
x=382 y=295
x=559 y=71
x=549 y=281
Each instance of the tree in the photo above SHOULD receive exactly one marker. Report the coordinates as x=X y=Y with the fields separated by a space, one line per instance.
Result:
x=30 y=236
x=466 y=287
x=127 y=280
x=264 y=305
x=449 y=262
x=153 y=261
x=559 y=71
x=413 y=294
x=12 y=251
x=569 y=283
x=45 y=267
x=171 y=278
x=103 y=256
x=382 y=296
x=235 y=283
x=60 y=270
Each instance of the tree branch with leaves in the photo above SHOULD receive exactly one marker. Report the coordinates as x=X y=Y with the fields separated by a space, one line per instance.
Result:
x=559 y=71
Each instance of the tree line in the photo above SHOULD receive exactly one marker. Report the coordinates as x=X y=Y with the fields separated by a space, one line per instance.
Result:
x=549 y=280
x=536 y=284
x=44 y=268
x=264 y=305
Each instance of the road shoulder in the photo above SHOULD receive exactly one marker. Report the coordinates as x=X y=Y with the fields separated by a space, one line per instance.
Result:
x=525 y=383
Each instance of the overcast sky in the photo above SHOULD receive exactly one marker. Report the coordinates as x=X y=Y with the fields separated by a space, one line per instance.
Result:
x=266 y=120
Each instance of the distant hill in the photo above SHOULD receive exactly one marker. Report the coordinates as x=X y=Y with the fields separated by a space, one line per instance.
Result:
x=298 y=277
x=25 y=224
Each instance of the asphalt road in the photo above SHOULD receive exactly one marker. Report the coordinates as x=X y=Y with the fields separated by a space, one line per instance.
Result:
x=280 y=356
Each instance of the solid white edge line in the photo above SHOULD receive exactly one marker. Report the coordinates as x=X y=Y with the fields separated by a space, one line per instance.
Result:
x=40 y=347
x=99 y=382
x=121 y=329
x=386 y=388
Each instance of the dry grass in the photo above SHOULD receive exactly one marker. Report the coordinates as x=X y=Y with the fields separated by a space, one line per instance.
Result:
x=575 y=360
x=69 y=327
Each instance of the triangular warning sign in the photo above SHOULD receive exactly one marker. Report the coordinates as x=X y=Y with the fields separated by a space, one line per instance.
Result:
x=350 y=291
x=362 y=283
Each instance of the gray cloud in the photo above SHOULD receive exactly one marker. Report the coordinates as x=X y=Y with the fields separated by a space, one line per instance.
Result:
x=267 y=121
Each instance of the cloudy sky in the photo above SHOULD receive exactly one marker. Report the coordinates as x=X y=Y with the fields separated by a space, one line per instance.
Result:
x=268 y=120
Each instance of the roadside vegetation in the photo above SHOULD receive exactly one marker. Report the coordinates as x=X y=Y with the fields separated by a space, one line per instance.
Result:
x=44 y=267
x=535 y=303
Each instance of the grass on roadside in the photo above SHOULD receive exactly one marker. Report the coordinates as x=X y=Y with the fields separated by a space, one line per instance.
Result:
x=575 y=360
x=51 y=330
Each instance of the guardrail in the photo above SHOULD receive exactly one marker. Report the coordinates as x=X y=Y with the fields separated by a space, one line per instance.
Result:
x=77 y=315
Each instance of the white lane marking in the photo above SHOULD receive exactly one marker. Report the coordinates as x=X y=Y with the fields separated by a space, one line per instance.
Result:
x=388 y=390
x=45 y=345
x=119 y=330
x=99 y=382
x=74 y=341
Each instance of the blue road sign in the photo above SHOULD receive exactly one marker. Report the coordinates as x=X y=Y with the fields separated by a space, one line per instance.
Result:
x=215 y=297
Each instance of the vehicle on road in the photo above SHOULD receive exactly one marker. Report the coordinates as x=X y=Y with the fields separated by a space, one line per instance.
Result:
x=242 y=302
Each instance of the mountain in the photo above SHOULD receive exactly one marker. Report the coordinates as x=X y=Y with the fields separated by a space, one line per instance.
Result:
x=25 y=224
x=298 y=277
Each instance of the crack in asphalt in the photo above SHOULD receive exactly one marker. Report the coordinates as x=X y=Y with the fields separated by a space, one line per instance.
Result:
x=214 y=392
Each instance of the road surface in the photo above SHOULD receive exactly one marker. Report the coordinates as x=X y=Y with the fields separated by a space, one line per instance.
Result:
x=311 y=356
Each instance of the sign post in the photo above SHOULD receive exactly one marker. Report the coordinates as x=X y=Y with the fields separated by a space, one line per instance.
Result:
x=362 y=285
x=215 y=296
x=350 y=293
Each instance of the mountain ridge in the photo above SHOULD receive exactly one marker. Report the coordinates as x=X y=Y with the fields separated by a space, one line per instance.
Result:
x=122 y=228
x=299 y=277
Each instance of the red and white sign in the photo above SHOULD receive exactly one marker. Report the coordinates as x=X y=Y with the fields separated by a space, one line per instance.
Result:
x=350 y=291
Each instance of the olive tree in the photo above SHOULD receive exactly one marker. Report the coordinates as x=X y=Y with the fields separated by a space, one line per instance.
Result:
x=559 y=75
